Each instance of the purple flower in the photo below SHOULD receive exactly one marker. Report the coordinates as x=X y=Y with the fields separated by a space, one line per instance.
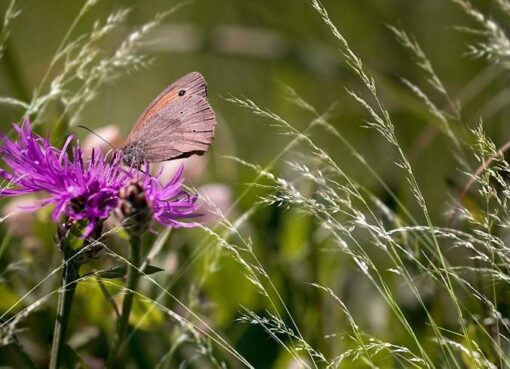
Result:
x=169 y=203
x=84 y=189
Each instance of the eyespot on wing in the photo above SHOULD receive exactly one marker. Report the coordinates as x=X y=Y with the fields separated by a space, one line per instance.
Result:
x=182 y=128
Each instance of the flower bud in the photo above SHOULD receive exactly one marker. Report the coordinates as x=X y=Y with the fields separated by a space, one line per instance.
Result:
x=134 y=207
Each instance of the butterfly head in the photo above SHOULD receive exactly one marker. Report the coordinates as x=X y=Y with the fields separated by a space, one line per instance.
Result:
x=133 y=155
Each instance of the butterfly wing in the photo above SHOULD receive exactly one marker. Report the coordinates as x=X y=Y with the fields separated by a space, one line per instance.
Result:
x=177 y=124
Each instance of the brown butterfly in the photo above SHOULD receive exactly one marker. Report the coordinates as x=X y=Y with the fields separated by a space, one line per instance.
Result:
x=177 y=124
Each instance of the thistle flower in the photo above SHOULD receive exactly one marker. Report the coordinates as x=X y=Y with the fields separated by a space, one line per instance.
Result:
x=84 y=189
x=169 y=203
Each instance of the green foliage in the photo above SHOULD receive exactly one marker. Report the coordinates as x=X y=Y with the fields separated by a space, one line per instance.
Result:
x=365 y=148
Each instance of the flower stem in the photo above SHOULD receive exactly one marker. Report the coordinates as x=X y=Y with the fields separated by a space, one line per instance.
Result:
x=69 y=277
x=133 y=275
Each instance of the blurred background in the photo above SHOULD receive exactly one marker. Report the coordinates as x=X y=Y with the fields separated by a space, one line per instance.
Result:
x=253 y=49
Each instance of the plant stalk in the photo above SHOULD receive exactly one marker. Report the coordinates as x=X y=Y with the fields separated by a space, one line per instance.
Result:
x=133 y=276
x=22 y=354
x=69 y=277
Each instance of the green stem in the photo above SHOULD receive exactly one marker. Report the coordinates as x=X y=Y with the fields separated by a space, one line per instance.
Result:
x=22 y=354
x=133 y=275
x=69 y=277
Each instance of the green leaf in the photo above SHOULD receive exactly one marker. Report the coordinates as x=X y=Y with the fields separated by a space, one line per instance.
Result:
x=112 y=273
x=121 y=271
x=151 y=269
x=71 y=359
x=145 y=314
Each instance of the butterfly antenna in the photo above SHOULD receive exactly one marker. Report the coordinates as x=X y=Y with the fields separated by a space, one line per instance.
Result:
x=94 y=133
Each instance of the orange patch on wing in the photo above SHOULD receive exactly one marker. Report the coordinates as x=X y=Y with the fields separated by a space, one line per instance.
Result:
x=165 y=100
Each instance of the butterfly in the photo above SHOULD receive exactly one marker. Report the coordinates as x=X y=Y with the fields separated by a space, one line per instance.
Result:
x=177 y=124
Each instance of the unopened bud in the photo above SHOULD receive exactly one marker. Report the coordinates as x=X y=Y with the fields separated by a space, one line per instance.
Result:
x=134 y=207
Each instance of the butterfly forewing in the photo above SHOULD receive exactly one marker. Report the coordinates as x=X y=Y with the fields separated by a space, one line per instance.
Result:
x=178 y=123
x=192 y=84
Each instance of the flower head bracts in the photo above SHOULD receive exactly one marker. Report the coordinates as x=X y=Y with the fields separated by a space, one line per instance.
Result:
x=169 y=203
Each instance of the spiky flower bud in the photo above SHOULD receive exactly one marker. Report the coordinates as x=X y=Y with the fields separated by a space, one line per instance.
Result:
x=134 y=207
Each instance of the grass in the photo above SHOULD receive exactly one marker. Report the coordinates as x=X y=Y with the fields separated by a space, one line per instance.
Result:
x=437 y=289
